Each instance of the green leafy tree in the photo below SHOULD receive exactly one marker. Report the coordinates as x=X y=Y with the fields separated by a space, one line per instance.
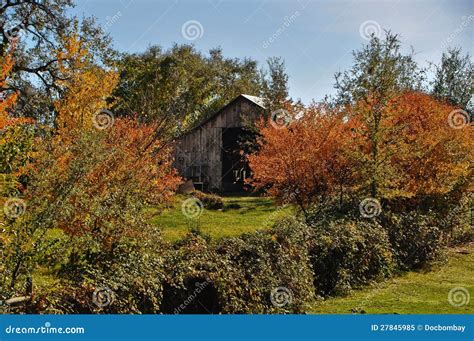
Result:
x=180 y=87
x=454 y=79
x=275 y=84
x=380 y=71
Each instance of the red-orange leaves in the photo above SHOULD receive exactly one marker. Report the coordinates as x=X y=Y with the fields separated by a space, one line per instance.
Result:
x=406 y=148
x=429 y=155
x=305 y=159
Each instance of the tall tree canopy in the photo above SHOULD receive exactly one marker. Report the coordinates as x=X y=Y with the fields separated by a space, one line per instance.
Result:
x=275 y=84
x=379 y=72
x=181 y=86
x=38 y=28
x=454 y=79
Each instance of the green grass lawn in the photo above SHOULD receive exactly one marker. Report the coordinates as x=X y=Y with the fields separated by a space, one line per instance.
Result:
x=413 y=292
x=254 y=213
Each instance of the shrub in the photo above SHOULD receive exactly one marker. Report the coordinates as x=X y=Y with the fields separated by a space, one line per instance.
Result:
x=348 y=253
x=239 y=275
x=415 y=238
x=210 y=201
x=189 y=269
x=128 y=281
x=459 y=221
x=269 y=271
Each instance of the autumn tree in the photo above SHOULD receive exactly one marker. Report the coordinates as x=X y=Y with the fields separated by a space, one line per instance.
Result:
x=38 y=28
x=16 y=135
x=383 y=137
x=379 y=73
x=16 y=149
x=327 y=153
x=91 y=177
x=86 y=87
x=98 y=169
x=419 y=153
x=433 y=157
x=302 y=161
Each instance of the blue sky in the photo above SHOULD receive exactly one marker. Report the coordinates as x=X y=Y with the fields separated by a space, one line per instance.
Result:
x=315 y=38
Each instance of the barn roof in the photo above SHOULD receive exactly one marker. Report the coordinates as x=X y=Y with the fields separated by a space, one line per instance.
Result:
x=254 y=99
x=257 y=100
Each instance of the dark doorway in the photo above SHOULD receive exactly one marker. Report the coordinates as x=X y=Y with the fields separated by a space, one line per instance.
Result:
x=234 y=168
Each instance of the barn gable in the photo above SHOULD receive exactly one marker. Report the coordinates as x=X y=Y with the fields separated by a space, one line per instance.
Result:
x=207 y=154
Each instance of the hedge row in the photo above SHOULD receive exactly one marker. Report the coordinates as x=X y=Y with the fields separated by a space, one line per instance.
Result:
x=241 y=275
x=280 y=270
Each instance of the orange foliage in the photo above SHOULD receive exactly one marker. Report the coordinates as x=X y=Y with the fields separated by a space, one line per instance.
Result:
x=429 y=156
x=112 y=175
x=88 y=87
x=305 y=159
x=15 y=141
x=8 y=102
x=322 y=154
x=91 y=179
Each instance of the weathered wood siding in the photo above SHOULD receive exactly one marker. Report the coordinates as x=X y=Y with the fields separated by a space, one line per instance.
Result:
x=199 y=152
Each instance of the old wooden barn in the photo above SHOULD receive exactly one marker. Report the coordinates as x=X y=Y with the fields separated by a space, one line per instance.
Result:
x=209 y=154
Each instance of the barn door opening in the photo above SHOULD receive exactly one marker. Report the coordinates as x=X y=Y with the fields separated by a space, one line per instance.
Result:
x=234 y=167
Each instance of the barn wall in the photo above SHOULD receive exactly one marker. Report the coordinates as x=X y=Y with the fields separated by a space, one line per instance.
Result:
x=202 y=146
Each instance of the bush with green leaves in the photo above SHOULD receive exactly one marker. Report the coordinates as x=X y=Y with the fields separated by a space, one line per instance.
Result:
x=262 y=272
x=192 y=264
x=458 y=223
x=270 y=270
x=127 y=280
x=348 y=253
x=416 y=238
